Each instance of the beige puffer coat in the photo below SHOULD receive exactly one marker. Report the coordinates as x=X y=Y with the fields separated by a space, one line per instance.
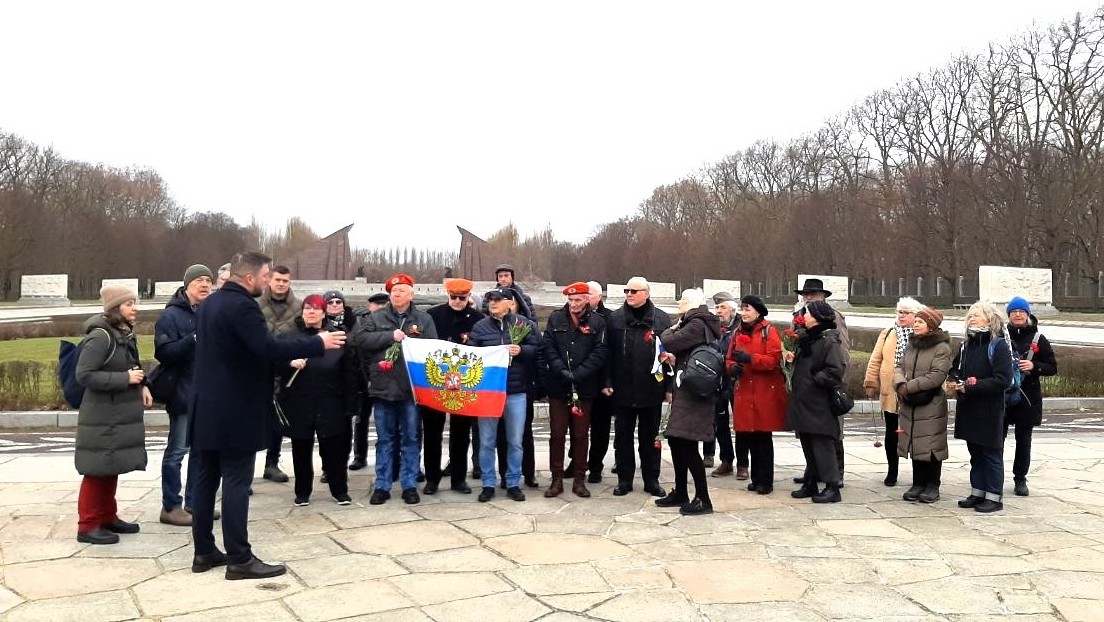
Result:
x=924 y=366
x=879 y=370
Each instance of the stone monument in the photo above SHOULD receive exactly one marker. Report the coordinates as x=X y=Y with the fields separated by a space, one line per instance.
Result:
x=44 y=290
x=999 y=284
x=712 y=286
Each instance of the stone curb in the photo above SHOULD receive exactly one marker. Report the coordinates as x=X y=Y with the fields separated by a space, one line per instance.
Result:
x=66 y=419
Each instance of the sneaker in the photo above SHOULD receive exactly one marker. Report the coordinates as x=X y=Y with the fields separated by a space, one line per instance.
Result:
x=274 y=474
x=379 y=497
x=176 y=516
x=301 y=502
x=343 y=499
x=515 y=493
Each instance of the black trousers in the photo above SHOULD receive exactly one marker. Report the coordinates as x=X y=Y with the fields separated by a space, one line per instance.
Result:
x=685 y=458
x=644 y=422
x=837 y=444
x=927 y=472
x=334 y=450
x=361 y=425
x=433 y=432
x=275 y=441
x=601 y=419
x=722 y=434
x=743 y=450
x=235 y=471
x=761 y=447
x=889 y=443
x=528 y=451
x=1022 y=461
x=821 y=463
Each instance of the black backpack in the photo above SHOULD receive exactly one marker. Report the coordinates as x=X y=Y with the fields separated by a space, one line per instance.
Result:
x=68 y=355
x=704 y=373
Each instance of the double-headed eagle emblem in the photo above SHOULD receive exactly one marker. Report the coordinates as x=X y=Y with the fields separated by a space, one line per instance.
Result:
x=454 y=372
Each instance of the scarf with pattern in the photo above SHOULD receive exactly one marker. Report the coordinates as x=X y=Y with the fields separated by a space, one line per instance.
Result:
x=903 y=335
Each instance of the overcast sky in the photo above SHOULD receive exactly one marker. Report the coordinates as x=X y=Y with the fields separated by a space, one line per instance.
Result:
x=409 y=118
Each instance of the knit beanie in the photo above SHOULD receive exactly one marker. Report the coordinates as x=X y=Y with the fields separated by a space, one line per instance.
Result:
x=1018 y=304
x=196 y=271
x=756 y=303
x=821 y=311
x=932 y=317
x=115 y=295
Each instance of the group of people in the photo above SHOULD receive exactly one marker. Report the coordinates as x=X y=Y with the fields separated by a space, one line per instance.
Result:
x=248 y=363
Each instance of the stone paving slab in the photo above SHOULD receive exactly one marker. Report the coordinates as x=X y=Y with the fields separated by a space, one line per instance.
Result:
x=450 y=558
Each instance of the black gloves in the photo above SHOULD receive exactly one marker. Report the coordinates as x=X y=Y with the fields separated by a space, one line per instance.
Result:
x=742 y=357
x=735 y=369
x=567 y=376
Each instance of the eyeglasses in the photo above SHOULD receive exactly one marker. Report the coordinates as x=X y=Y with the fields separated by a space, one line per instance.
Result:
x=633 y=291
x=463 y=297
x=903 y=312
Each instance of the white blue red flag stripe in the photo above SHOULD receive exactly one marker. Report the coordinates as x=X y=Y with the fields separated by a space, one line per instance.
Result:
x=456 y=378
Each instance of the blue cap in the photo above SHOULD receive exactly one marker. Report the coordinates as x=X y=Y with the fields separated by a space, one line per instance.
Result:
x=1018 y=304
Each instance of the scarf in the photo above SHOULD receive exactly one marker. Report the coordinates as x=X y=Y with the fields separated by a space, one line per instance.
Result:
x=903 y=334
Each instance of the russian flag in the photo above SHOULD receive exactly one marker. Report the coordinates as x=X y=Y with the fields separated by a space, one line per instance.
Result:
x=456 y=378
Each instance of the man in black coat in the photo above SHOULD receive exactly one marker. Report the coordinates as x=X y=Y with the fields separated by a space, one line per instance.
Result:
x=637 y=395
x=232 y=415
x=601 y=411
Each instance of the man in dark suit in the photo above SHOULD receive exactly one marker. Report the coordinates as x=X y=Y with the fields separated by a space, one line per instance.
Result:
x=232 y=411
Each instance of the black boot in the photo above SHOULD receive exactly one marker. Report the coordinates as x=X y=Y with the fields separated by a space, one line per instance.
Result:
x=806 y=491
x=913 y=494
x=830 y=494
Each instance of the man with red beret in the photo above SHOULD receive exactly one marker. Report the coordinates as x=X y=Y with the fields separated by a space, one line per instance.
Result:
x=389 y=385
x=574 y=348
x=453 y=321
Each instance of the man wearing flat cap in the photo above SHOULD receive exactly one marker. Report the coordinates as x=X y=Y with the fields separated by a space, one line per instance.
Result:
x=360 y=423
x=637 y=395
x=389 y=385
x=504 y=276
x=574 y=348
x=454 y=321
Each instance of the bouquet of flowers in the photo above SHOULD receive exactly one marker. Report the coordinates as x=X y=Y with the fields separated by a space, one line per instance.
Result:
x=789 y=347
x=518 y=332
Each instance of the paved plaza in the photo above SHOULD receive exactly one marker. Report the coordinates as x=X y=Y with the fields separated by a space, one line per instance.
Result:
x=450 y=558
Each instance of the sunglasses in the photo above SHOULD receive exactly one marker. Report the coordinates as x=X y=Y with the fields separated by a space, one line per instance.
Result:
x=463 y=297
x=633 y=291
x=335 y=301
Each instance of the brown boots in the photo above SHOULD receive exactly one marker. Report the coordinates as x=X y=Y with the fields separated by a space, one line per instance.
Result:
x=579 y=487
x=556 y=487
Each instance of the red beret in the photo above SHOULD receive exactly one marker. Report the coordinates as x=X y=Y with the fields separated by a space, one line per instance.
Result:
x=398 y=279
x=577 y=287
x=458 y=287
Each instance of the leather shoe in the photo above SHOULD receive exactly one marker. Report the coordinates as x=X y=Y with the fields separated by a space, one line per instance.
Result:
x=1021 y=489
x=357 y=464
x=176 y=516
x=707 y=462
x=515 y=493
x=121 y=526
x=486 y=494
x=971 y=501
x=462 y=488
x=830 y=494
x=255 y=569
x=379 y=497
x=673 y=499
x=421 y=476
x=97 y=536
x=595 y=477
x=274 y=474
x=742 y=473
x=447 y=471
x=725 y=468
x=203 y=563
x=988 y=505
x=804 y=492
x=799 y=480
x=654 y=489
x=622 y=489
x=410 y=496
x=430 y=488
x=696 y=507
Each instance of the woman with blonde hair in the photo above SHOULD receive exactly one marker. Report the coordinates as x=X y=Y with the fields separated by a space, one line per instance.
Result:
x=980 y=374
x=879 y=376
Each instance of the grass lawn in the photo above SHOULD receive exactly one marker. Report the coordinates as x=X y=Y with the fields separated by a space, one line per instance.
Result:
x=45 y=349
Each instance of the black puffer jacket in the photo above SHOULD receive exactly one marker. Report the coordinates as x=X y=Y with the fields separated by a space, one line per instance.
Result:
x=979 y=412
x=818 y=371
x=631 y=337
x=323 y=397
x=174 y=347
x=582 y=349
x=1030 y=410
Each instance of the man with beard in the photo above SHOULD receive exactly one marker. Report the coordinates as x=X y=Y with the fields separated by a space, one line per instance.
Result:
x=454 y=321
x=637 y=394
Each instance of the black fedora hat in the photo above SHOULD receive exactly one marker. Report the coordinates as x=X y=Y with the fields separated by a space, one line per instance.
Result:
x=812 y=286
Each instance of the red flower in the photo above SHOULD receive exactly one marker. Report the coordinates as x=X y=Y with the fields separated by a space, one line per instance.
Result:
x=799 y=320
x=743 y=338
x=877 y=443
x=648 y=336
x=386 y=365
x=575 y=410
x=658 y=445
x=1035 y=347
x=585 y=329
x=900 y=431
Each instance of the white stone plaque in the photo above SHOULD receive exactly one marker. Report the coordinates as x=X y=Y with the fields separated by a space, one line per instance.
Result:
x=131 y=284
x=712 y=286
x=838 y=285
x=999 y=284
x=166 y=289
x=44 y=286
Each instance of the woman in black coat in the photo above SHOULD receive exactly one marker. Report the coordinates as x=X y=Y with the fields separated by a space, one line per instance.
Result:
x=1035 y=358
x=319 y=396
x=980 y=375
x=818 y=371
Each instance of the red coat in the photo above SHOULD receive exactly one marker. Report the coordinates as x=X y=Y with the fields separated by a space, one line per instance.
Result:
x=759 y=402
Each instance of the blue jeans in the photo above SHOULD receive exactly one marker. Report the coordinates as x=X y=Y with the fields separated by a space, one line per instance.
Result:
x=396 y=419
x=986 y=471
x=175 y=450
x=514 y=416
